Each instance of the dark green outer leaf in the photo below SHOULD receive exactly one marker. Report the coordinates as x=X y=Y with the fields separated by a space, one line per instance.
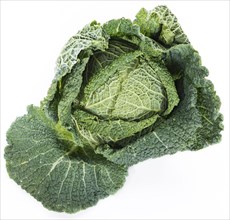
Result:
x=40 y=162
x=208 y=103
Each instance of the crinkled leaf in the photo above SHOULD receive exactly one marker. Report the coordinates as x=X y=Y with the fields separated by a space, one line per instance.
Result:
x=40 y=160
x=173 y=134
x=70 y=66
x=161 y=25
x=95 y=131
x=189 y=126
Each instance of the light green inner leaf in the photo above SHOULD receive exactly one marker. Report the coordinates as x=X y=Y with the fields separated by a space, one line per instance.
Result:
x=128 y=88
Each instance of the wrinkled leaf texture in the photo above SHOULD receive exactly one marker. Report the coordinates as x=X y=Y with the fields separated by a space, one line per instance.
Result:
x=69 y=158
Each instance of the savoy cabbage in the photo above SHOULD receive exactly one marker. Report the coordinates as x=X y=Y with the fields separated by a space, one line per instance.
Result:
x=123 y=92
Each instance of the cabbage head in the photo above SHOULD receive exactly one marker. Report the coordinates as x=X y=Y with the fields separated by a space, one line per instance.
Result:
x=124 y=91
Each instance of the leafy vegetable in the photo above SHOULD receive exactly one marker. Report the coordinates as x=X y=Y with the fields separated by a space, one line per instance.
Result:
x=123 y=92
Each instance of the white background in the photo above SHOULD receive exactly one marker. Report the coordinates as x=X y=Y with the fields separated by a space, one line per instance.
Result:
x=188 y=185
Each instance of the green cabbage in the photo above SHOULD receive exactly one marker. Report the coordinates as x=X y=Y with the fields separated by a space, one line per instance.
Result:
x=123 y=92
